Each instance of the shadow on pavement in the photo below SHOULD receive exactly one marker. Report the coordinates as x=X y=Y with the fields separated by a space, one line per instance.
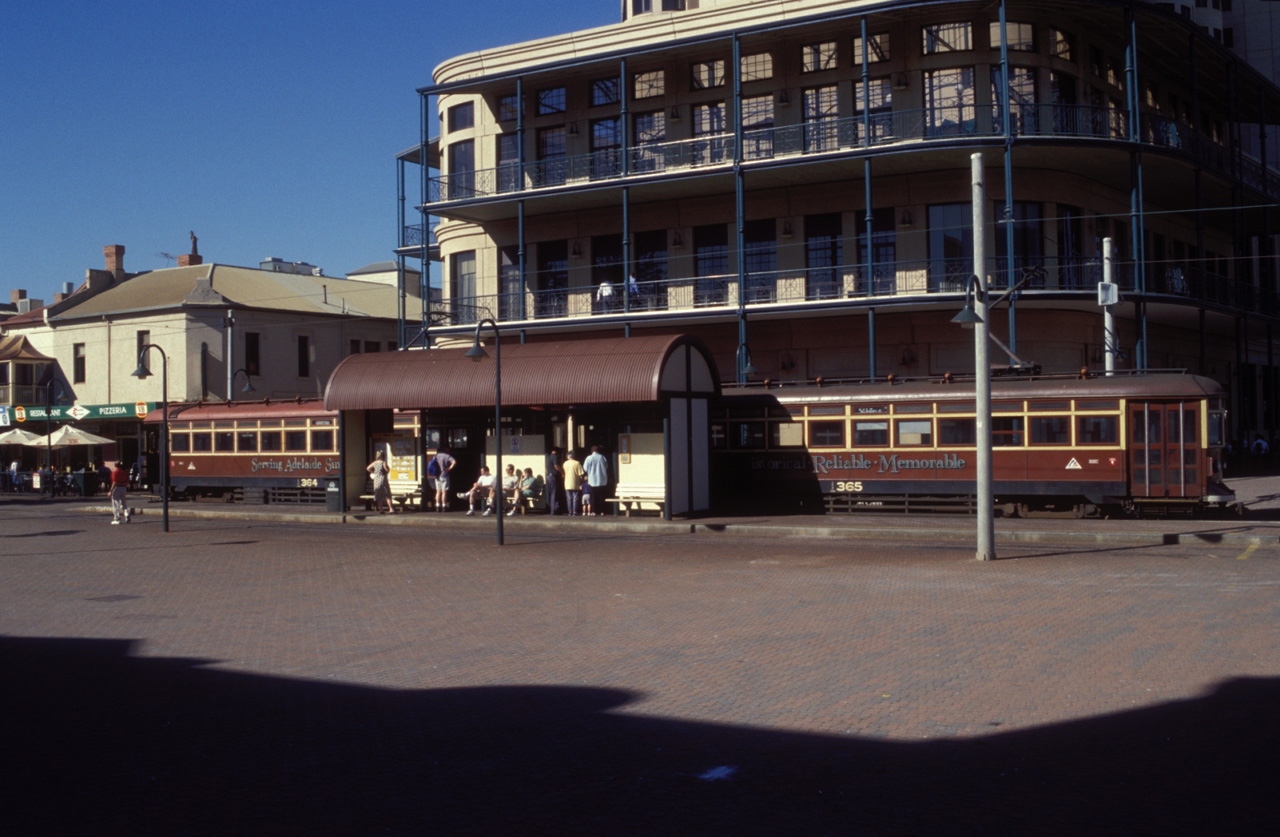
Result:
x=101 y=742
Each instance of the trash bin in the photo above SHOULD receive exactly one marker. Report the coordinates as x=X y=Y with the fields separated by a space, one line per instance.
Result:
x=333 y=497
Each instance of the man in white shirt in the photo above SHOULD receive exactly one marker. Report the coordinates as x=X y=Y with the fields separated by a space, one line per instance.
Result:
x=482 y=492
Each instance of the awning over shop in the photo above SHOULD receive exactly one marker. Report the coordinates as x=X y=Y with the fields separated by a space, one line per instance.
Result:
x=570 y=372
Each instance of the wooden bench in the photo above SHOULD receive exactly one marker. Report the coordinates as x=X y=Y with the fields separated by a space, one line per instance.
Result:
x=404 y=492
x=627 y=496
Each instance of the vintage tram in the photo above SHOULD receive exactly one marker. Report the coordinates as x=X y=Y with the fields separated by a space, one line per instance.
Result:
x=1082 y=444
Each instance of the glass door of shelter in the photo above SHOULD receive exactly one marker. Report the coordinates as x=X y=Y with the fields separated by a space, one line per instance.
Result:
x=1164 y=449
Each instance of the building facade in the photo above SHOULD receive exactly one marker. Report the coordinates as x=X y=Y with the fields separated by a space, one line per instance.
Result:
x=790 y=182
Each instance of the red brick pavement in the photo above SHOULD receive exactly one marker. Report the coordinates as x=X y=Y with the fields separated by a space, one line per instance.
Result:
x=258 y=678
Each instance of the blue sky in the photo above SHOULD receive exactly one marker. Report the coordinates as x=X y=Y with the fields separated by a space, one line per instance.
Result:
x=269 y=128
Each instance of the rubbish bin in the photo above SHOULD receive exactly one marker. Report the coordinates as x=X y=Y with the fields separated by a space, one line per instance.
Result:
x=333 y=497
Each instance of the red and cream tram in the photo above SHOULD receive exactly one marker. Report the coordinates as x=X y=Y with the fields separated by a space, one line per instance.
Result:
x=1147 y=443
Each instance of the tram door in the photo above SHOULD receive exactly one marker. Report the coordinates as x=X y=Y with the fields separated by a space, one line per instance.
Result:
x=1164 y=449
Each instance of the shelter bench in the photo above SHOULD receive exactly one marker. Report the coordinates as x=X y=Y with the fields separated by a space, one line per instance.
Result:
x=628 y=496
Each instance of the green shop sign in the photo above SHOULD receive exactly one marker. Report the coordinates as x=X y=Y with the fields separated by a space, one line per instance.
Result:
x=79 y=412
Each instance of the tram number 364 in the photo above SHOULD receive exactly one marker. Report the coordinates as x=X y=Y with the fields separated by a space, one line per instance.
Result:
x=848 y=486
x=308 y=482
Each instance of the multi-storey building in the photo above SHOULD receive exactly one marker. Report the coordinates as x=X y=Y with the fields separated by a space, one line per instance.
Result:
x=790 y=182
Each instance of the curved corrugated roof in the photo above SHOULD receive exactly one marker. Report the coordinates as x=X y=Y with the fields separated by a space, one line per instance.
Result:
x=594 y=371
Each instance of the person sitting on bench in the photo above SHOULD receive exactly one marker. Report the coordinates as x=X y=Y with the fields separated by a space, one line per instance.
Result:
x=484 y=491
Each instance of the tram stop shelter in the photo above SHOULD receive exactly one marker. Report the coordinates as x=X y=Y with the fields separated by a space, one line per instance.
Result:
x=644 y=399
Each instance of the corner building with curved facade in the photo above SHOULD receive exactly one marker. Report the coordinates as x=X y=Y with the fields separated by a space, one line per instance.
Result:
x=789 y=181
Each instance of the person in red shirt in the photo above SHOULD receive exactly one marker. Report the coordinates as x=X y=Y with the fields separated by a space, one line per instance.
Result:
x=119 y=495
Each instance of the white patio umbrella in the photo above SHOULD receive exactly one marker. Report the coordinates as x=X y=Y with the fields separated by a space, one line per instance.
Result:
x=68 y=436
x=18 y=436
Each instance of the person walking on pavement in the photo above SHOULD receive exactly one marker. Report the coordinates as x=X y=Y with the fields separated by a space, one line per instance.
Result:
x=120 y=512
x=573 y=479
x=379 y=470
x=554 y=482
x=597 y=468
x=445 y=463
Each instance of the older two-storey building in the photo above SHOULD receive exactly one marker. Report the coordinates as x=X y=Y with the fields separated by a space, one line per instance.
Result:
x=790 y=182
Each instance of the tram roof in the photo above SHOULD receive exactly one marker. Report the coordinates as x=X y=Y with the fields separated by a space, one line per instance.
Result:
x=266 y=408
x=615 y=370
x=1154 y=385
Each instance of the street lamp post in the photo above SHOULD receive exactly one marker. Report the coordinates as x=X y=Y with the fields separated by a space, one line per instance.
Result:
x=143 y=372
x=477 y=353
x=248 y=383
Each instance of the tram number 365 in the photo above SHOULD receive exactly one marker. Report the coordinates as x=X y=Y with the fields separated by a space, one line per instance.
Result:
x=308 y=482
x=848 y=486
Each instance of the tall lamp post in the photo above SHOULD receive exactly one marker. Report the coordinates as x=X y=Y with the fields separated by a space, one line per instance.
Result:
x=143 y=372
x=248 y=383
x=477 y=353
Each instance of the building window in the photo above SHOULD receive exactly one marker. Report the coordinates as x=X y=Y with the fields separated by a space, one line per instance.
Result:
x=883 y=252
x=552 y=148
x=551 y=297
x=1062 y=44
x=372 y=346
x=817 y=57
x=950 y=246
x=711 y=264
x=877 y=48
x=877 y=98
x=464 y=277
x=756 y=67
x=462 y=170
x=760 y=259
x=251 y=355
x=650 y=129
x=1028 y=238
x=948 y=37
x=651 y=264
x=949 y=101
x=709 y=121
x=648 y=84
x=304 y=356
x=144 y=337
x=606 y=266
x=1021 y=98
x=823 y=254
x=508 y=162
x=705 y=75
x=551 y=101
x=508 y=108
x=757 y=125
x=1022 y=36
x=604 y=91
x=77 y=363
x=606 y=147
x=462 y=116
x=353 y=347
x=820 y=119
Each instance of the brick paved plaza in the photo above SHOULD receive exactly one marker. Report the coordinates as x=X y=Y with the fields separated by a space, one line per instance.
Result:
x=268 y=678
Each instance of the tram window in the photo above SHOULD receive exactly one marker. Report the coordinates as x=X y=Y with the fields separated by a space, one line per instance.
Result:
x=224 y=441
x=1097 y=430
x=870 y=434
x=915 y=432
x=956 y=407
x=180 y=442
x=295 y=441
x=295 y=422
x=826 y=434
x=1097 y=405
x=956 y=431
x=786 y=434
x=719 y=439
x=1189 y=434
x=1048 y=406
x=747 y=435
x=1050 y=430
x=1217 y=421
x=1006 y=432
x=913 y=408
x=1152 y=430
x=223 y=425
x=322 y=440
x=247 y=441
x=826 y=411
x=1007 y=407
x=270 y=441
x=201 y=443
x=1189 y=468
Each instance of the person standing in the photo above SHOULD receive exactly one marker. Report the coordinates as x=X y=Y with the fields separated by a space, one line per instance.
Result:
x=573 y=479
x=120 y=512
x=597 y=468
x=554 y=481
x=445 y=463
x=380 y=471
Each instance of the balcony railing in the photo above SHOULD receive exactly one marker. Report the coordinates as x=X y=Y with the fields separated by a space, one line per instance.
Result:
x=14 y=394
x=842 y=135
x=826 y=285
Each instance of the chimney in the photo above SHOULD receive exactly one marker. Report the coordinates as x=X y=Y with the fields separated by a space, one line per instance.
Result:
x=114 y=254
x=16 y=295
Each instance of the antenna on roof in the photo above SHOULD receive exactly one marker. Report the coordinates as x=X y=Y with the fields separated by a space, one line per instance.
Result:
x=167 y=256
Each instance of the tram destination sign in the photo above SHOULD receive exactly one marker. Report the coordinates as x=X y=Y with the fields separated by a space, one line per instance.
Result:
x=131 y=411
